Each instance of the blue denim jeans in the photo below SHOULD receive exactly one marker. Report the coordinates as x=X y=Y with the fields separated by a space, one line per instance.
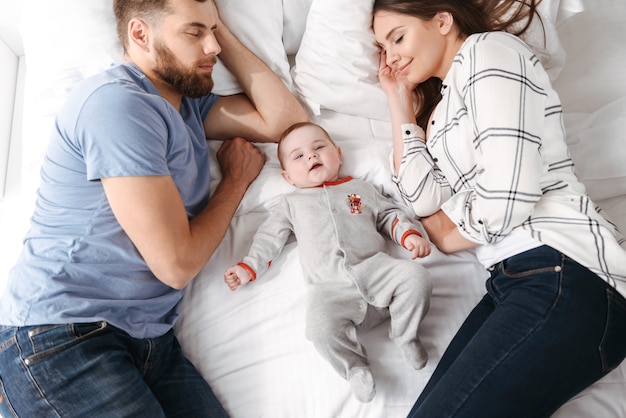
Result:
x=96 y=370
x=546 y=329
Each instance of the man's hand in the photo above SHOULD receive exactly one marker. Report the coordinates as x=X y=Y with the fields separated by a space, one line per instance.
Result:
x=240 y=161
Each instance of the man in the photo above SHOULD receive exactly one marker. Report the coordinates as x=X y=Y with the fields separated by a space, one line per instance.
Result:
x=123 y=220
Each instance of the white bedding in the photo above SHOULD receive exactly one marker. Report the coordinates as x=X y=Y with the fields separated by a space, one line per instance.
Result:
x=250 y=344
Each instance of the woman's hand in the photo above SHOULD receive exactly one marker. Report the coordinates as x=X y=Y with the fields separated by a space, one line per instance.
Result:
x=391 y=81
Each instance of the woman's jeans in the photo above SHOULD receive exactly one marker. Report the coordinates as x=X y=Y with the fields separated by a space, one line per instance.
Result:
x=547 y=329
x=96 y=370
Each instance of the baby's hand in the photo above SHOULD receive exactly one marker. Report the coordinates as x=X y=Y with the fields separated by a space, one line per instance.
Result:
x=236 y=276
x=418 y=246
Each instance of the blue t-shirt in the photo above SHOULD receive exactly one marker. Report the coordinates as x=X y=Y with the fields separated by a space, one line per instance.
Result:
x=77 y=264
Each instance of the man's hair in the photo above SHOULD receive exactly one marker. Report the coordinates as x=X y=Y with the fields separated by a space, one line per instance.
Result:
x=150 y=11
x=294 y=127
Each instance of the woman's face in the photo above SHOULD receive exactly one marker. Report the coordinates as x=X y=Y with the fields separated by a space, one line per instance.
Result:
x=414 y=48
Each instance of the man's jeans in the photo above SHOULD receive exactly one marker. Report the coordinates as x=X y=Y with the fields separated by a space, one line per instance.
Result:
x=547 y=328
x=96 y=370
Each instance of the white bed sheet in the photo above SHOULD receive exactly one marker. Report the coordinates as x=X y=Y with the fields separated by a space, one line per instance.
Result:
x=250 y=344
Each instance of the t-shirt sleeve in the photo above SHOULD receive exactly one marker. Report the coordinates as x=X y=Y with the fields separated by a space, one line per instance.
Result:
x=123 y=131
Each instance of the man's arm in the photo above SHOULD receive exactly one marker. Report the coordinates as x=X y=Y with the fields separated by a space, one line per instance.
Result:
x=265 y=110
x=151 y=212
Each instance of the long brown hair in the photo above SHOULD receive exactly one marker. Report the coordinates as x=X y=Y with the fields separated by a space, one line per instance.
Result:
x=470 y=16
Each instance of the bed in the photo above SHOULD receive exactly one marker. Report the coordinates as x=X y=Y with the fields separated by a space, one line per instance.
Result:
x=250 y=344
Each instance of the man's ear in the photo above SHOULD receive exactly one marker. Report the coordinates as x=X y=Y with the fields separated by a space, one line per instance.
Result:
x=286 y=177
x=138 y=34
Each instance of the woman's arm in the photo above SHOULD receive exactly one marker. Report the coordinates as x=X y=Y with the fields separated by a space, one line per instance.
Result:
x=444 y=234
x=419 y=180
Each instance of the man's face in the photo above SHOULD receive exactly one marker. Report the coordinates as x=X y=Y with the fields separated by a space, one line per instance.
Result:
x=185 y=48
x=191 y=81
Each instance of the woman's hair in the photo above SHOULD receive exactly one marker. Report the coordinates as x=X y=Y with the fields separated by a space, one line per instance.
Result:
x=470 y=16
x=151 y=11
x=294 y=127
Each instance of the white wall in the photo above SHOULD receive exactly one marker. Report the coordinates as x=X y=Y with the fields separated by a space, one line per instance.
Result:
x=8 y=85
x=12 y=69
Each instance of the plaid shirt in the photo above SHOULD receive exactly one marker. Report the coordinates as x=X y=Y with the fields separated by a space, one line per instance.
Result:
x=496 y=159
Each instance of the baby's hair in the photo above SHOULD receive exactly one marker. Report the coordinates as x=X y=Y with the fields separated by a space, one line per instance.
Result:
x=294 y=127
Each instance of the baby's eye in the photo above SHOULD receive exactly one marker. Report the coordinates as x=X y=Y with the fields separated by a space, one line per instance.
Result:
x=297 y=156
x=319 y=147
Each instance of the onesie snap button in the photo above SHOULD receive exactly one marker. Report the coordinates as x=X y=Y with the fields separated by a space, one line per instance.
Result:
x=407 y=132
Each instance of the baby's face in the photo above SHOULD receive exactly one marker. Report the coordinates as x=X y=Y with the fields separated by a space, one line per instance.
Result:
x=309 y=157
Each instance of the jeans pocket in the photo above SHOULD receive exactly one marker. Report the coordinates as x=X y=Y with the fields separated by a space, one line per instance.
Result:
x=613 y=344
x=47 y=340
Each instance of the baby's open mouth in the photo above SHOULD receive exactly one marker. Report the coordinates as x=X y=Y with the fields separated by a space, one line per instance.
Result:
x=315 y=166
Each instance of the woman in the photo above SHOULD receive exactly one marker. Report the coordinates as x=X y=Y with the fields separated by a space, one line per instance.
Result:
x=479 y=153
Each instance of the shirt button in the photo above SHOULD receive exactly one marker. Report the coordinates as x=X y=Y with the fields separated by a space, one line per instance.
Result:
x=432 y=123
x=435 y=160
x=372 y=299
x=407 y=132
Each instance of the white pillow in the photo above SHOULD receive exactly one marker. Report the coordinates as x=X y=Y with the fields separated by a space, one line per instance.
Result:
x=65 y=41
x=336 y=66
x=294 y=22
x=260 y=28
x=542 y=36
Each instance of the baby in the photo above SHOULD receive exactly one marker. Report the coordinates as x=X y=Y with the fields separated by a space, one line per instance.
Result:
x=353 y=283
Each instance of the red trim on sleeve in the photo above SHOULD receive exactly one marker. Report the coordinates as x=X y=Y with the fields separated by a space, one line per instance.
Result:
x=249 y=270
x=393 y=228
x=407 y=233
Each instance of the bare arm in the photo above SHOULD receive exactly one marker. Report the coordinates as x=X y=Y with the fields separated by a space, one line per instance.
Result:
x=445 y=234
x=151 y=212
x=267 y=107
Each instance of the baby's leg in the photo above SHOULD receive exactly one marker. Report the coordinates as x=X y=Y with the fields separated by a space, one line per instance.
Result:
x=410 y=302
x=331 y=318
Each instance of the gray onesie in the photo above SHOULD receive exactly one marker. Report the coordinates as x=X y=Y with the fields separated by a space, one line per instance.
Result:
x=338 y=227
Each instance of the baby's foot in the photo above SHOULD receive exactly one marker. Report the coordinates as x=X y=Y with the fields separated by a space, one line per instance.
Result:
x=415 y=354
x=362 y=384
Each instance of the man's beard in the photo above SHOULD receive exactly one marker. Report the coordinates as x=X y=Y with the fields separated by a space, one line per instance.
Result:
x=187 y=82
